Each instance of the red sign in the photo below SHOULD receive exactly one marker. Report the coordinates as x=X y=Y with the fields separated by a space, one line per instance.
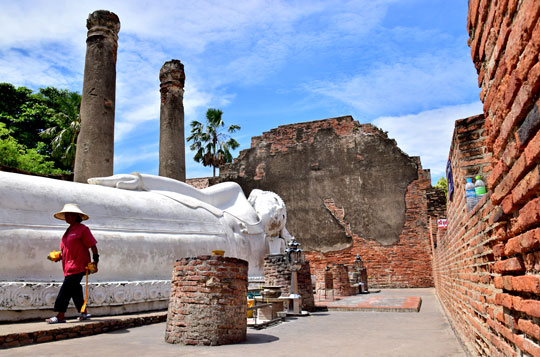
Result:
x=442 y=223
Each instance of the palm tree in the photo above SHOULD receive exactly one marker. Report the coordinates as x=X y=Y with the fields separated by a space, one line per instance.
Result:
x=211 y=145
x=64 y=134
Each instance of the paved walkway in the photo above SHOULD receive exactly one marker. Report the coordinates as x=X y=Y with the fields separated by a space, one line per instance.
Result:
x=332 y=333
x=374 y=301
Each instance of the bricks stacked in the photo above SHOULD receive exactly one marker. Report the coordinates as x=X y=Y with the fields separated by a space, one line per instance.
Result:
x=277 y=273
x=340 y=275
x=208 y=301
x=487 y=267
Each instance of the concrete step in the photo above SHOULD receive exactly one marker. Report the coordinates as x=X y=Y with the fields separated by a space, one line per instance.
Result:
x=26 y=333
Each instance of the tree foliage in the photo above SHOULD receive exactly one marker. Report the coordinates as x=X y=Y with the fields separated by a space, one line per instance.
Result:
x=41 y=128
x=15 y=155
x=211 y=145
x=442 y=184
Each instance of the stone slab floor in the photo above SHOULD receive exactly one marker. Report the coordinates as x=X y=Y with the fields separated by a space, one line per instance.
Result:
x=333 y=333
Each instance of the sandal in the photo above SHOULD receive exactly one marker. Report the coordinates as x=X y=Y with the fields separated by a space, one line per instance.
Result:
x=54 y=320
x=84 y=317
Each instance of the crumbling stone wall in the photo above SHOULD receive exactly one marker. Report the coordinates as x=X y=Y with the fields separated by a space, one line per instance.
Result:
x=487 y=266
x=349 y=190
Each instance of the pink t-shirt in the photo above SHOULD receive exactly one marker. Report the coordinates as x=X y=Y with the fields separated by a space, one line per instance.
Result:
x=74 y=247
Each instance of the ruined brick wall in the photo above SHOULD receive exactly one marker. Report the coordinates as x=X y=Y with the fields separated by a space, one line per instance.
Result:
x=349 y=190
x=487 y=266
x=338 y=159
x=406 y=263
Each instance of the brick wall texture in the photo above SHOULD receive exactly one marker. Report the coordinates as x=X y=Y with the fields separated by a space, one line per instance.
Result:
x=486 y=266
x=207 y=304
x=278 y=273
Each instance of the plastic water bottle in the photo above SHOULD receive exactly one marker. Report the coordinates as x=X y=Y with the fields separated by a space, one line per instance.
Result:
x=479 y=188
x=470 y=195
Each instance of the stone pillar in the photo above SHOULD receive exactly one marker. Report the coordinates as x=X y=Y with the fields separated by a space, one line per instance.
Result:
x=95 y=145
x=208 y=304
x=172 y=162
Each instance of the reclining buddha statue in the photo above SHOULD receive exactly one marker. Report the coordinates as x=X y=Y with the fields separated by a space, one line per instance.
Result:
x=142 y=223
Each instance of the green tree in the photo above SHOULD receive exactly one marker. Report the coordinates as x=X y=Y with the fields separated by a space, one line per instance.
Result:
x=25 y=114
x=46 y=123
x=211 y=145
x=64 y=134
x=13 y=154
x=442 y=184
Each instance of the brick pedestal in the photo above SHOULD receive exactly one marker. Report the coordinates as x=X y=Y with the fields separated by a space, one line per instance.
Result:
x=356 y=276
x=278 y=273
x=208 y=301
x=341 y=280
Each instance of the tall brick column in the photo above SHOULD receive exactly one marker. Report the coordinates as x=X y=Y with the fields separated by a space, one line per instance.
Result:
x=208 y=301
x=95 y=145
x=172 y=161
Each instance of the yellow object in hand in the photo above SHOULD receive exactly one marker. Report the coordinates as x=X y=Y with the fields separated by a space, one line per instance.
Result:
x=55 y=255
x=91 y=267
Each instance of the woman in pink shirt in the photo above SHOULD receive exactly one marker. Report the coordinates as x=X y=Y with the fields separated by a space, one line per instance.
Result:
x=76 y=242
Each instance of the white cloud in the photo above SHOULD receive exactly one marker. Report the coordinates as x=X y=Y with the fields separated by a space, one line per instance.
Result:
x=428 y=134
x=23 y=67
x=404 y=85
x=144 y=159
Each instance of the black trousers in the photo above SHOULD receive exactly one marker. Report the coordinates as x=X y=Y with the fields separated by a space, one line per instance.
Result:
x=71 y=289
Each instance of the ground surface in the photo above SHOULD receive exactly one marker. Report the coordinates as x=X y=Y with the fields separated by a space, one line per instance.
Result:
x=332 y=333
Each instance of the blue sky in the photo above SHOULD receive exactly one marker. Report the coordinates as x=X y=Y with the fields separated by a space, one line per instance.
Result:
x=403 y=65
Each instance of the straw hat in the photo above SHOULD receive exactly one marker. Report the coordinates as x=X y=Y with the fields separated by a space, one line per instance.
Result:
x=71 y=208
